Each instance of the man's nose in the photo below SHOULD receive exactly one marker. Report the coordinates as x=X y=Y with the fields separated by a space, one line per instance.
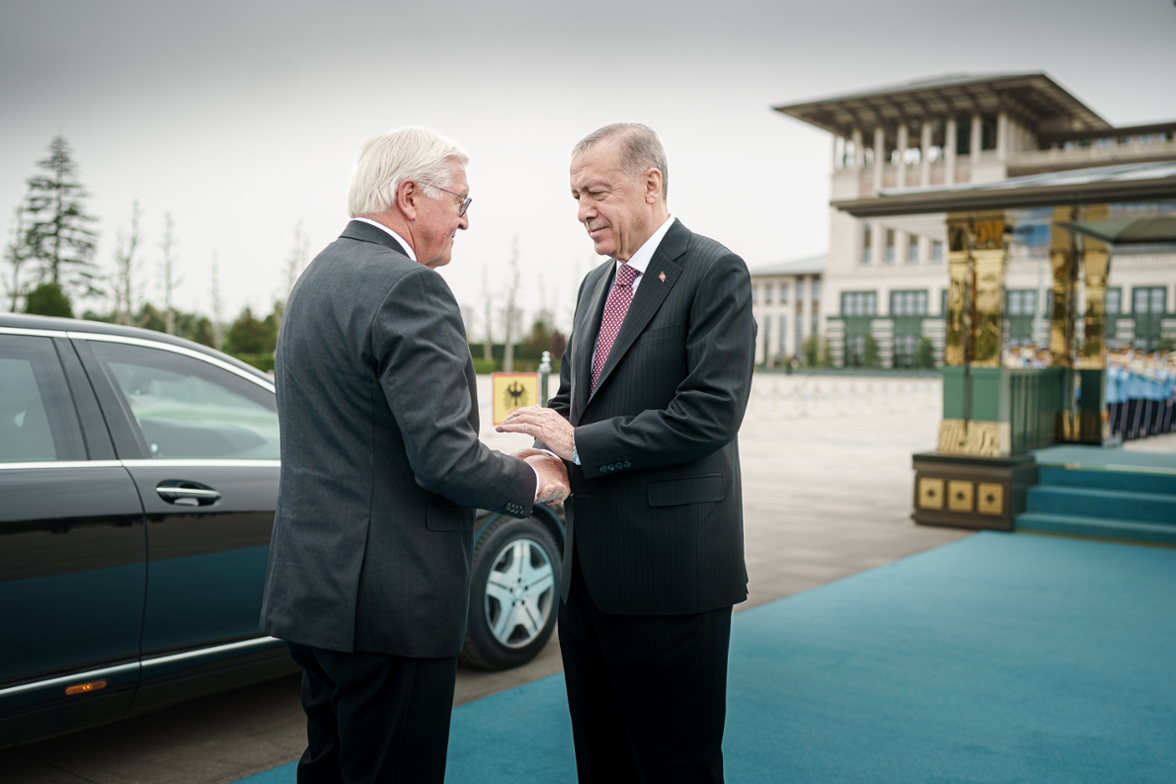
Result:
x=585 y=211
x=463 y=221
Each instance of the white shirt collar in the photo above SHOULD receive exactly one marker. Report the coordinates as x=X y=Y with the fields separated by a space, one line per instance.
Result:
x=644 y=254
x=401 y=240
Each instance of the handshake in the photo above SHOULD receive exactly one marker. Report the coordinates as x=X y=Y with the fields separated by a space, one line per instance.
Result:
x=559 y=436
x=553 y=475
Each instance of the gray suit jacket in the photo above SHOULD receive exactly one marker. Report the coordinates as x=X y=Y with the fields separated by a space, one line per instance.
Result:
x=381 y=463
x=656 y=513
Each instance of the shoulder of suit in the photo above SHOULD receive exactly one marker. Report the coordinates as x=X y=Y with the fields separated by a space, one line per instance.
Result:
x=702 y=252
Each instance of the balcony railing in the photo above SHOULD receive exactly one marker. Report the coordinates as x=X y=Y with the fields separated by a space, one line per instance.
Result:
x=1094 y=155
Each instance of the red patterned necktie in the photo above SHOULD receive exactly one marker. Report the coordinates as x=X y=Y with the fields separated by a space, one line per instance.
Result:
x=615 y=308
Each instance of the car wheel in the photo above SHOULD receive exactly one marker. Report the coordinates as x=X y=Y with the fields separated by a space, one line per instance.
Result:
x=514 y=595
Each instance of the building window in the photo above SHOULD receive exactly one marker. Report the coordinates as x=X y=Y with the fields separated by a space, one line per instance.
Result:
x=783 y=293
x=912 y=249
x=1148 y=300
x=889 y=246
x=859 y=303
x=867 y=242
x=1114 y=303
x=783 y=330
x=815 y=292
x=943 y=302
x=1022 y=302
x=768 y=294
x=964 y=134
x=767 y=332
x=1019 y=313
x=988 y=132
x=908 y=303
x=936 y=251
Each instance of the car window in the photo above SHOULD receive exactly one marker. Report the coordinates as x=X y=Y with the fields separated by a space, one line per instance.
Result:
x=37 y=418
x=190 y=409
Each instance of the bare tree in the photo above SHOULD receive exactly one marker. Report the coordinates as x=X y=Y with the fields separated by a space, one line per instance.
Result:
x=512 y=315
x=487 y=315
x=126 y=268
x=169 y=280
x=218 y=305
x=295 y=263
x=16 y=253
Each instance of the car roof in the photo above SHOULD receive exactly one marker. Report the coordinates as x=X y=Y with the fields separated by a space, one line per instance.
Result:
x=54 y=324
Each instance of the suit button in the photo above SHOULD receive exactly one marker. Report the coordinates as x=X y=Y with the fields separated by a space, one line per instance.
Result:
x=628 y=464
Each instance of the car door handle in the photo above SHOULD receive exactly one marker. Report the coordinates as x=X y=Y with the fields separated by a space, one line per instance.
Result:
x=182 y=493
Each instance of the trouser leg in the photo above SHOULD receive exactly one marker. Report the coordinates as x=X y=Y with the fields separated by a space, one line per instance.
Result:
x=320 y=762
x=374 y=717
x=647 y=693
x=603 y=753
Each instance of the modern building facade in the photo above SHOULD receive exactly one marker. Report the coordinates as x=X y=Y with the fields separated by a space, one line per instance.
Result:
x=883 y=290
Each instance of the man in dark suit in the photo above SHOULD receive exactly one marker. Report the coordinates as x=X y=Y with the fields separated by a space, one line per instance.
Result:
x=369 y=569
x=653 y=387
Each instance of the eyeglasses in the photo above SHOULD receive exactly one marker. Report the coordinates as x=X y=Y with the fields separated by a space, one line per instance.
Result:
x=465 y=204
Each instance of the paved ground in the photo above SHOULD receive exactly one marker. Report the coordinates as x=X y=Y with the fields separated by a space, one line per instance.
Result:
x=826 y=495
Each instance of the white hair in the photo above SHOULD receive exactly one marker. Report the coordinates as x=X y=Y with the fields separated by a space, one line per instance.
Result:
x=389 y=159
x=640 y=149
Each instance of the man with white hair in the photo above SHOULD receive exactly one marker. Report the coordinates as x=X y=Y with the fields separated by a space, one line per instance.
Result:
x=369 y=566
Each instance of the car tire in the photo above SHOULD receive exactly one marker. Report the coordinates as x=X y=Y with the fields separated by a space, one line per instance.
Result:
x=514 y=595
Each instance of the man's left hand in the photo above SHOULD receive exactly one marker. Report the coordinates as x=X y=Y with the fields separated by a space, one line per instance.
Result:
x=542 y=424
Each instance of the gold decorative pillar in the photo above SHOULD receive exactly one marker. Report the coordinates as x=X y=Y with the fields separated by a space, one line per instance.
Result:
x=959 y=270
x=1096 y=258
x=989 y=260
x=1061 y=311
x=1093 y=424
x=973 y=422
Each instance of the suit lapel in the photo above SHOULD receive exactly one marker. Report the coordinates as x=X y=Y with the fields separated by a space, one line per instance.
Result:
x=584 y=333
x=651 y=293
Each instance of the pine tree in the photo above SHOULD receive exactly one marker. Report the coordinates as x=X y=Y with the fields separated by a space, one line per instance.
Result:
x=56 y=229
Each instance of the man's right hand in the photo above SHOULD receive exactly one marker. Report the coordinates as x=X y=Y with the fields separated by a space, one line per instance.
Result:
x=553 y=477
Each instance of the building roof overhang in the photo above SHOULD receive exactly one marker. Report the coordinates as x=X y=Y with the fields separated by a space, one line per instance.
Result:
x=1033 y=98
x=1123 y=183
x=813 y=265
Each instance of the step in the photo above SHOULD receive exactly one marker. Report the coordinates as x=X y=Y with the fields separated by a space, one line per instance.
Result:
x=1119 y=530
x=1136 y=480
x=1103 y=504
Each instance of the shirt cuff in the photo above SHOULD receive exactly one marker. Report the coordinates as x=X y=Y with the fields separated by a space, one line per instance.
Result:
x=537 y=480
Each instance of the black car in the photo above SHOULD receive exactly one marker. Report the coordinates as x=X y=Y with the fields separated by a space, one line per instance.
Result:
x=138 y=475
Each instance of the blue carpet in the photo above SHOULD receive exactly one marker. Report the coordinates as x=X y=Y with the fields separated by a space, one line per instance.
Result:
x=999 y=658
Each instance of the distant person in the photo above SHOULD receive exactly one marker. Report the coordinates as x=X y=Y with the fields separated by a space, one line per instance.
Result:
x=653 y=387
x=369 y=567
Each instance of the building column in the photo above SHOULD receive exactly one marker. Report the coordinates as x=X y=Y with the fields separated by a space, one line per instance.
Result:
x=879 y=151
x=977 y=137
x=838 y=152
x=903 y=140
x=789 y=346
x=859 y=154
x=806 y=308
x=949 y=153
x=925 y=146
x=761 y=334
x=1002 y=136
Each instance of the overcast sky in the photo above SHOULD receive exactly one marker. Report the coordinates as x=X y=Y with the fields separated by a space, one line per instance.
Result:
x=243 y=118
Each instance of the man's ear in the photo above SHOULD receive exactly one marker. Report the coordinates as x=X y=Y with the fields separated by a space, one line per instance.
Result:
x=653 y=185
x=406 y=198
